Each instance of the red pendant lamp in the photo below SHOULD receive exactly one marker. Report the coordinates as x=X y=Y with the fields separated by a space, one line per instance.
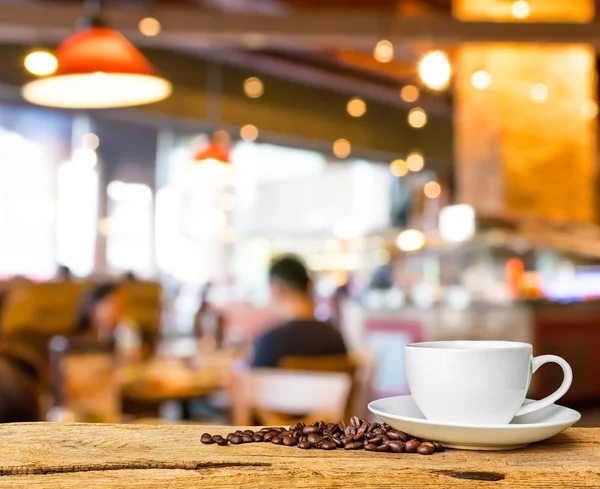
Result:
x=98 y=68
x=217 y=149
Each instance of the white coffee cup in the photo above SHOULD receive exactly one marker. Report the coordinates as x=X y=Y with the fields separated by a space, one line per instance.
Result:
x=476 y=382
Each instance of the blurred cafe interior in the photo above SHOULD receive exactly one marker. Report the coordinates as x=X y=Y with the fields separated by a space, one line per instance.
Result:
x=209 y=208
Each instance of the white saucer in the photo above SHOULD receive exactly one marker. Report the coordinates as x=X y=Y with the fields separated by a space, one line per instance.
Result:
x=403 y=414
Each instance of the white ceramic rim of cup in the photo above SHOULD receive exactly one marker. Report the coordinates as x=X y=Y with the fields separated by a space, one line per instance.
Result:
x=469 y=345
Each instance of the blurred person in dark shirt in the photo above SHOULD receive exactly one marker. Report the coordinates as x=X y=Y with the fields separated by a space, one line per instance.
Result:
x=297 y=332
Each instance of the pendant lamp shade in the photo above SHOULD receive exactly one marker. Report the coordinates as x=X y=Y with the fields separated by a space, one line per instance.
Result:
x=98 y=68
x=214 y=151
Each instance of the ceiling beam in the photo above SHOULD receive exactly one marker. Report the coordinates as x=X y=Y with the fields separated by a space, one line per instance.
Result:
x=312 y=29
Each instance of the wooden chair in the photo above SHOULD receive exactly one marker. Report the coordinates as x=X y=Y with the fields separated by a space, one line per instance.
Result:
x=359 y=365
x=279 y=397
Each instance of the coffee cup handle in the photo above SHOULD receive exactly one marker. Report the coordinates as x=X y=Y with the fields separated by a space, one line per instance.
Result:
x=537 y=362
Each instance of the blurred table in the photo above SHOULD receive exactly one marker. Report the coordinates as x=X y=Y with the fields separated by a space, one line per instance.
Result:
x=64 y=455
x=165 y=379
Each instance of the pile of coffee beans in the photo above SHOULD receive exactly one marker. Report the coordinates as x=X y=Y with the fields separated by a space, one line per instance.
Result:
x=356 y=435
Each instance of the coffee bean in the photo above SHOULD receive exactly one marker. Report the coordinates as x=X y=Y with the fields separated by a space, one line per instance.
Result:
x=247 y=439
x=370 y=448
x=330 y=426
x=372 y=426
x=382 y=448
x=257 y=437
x=366 y=442
x=236 y=440
x=328 y=445
x=248 y=432
x=428 y=444
x=288 y=441
x=307 y=430
x=305 y=445
x=338 y=442
x=355 y=421
x=207 y=439
x=359 y=436
x=393 y=435
x=222 y=442
x=313 y=438
x=363 y=427
x=396 y=446
x=378 y=431
x=268 y=436
x=353 y=445
x=277 y=440
x=376 y=440
x=217 y=437
x=425 y=450
x=411 y=446
x=438 y=446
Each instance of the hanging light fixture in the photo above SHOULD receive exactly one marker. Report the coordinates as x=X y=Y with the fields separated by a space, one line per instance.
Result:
x=98 y=68
x=216 y=150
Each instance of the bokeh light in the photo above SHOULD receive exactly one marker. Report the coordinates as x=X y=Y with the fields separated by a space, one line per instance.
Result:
x=521 y=9
x=356 y=107
x=432 y=190
x=481 y=79
x=342 y=148
x=249 y=132
x=398 y=168
x=589 y=109
x=415 y=161
x=417 y=118
x=85 y=156
x=41 y=63
x=90 y=140
x=409 y=93
x=253 y=87
x=149 y=26
x=410 y=240
x=384 y=51
x=539 y=93
x=435 y=70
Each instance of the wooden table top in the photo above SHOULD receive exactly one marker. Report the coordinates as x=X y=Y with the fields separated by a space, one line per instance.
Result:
x=109 y=456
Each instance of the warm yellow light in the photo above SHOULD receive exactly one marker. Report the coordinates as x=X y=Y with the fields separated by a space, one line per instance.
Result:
x=249 y=132
x=398 y=168
x=409 y=93
x=417 y=118
x=149 y=26
x=41 y=63
x=227 y=202
x=253 y=87
x=384 y=51
x=481 y=79
x=90 y=141
x=356 y=107
x=85 y=157
x=589 y=109
x=521 y=9
x=97 y=90
x=342 y=148
x=410 y=240
x=432 y=190
x=415 y=161
x=435 y=70
x=539 y=93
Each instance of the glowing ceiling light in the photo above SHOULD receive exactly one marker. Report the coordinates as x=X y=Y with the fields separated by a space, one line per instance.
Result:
x=481 y=79
x=127 y=78
x=253 y=87
x=521 y=9
x=432 y=190
x=415 y=161
x=249 y=132
x=356 y=107
x=342 y=148
x=409 y=93
x=398 y=168
x=149 y=26
x=435 y=70
x=41 y=63
x=410 y=240
x=384 y=51
x=417 y=118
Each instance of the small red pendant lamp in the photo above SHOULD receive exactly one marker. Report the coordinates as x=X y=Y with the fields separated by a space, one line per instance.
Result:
x=98 y=68
x=217 y=149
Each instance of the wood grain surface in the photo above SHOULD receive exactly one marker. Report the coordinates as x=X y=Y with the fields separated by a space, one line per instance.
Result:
x=139 y=456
